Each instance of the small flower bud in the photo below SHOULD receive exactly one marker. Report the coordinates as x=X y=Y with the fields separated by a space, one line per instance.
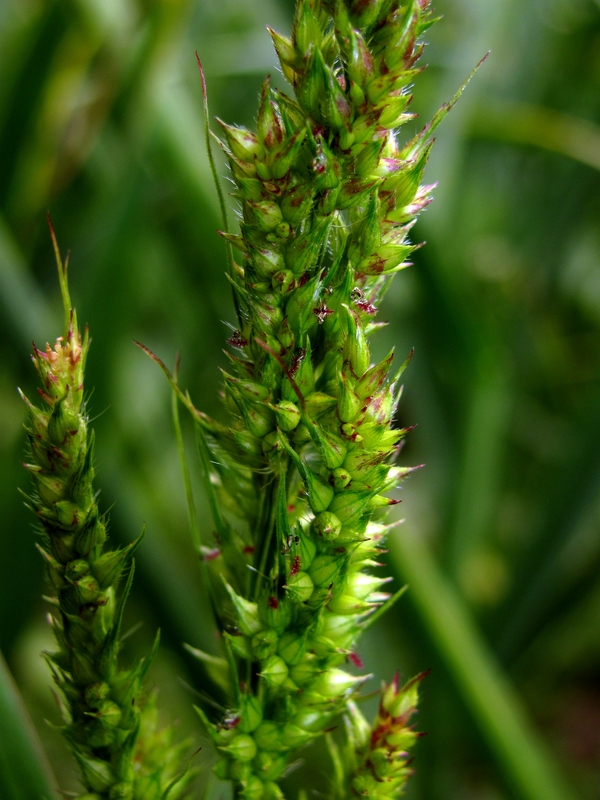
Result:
x=75 y=570
x=49 y=489
x=302 y=253
x=354 y=192
x=317 y=403
x=364 y=13
x=297 y=202
x=274 y=613
x=291 y=648
x=246 y=612
x=305 y=671
x=109 y=713
x=392 y=111
x=285 y=49
x=241 y=748
x=299 y=310
x=327 y=169
x=356 y=349
x=97 y=774
x=285 y=158
x=274 y=671
x=95 y=693
x=406 y=182
x=337 y=108
x=283 y=281
x=337 y=627
x=349 y=404
x=63 y=422
x=241 y=646
x=264 y=643
x=243 y=144
x=360 y=64
x=268 y=736
x=311 y=85
x=346 y=604
x=109 y=566
x=250 y=714
x=268 y=124
x=87 y=589
x=361 y=585
x=92 y=535
x=266 y=213
x=320 y=493
x=325 y=570
x=398 y=703
x=254 y=788
x=349 y=506
x=306 y=33
x=334 y=682
x=293 y=736
x=287 y=414
x=374 y=377
x=346 y=140
x=401 y=40
x=327 y=525
x=310 y=720
x=283 y=230
x=341 y=478
x=307 y=549
x=300 y=587
x=285 y=335
x=331 y=448
x=266 y=260
x=239 y=771
x=368 y=159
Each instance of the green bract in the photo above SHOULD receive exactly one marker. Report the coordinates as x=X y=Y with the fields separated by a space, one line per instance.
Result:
x=111 y=728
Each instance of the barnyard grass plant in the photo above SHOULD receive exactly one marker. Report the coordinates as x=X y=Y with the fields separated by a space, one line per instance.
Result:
x=300 y=476
x=110 y=722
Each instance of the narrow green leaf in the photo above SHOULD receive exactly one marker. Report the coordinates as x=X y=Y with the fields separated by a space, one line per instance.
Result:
x=485 y=688
x=525 y=124
x=24 y=771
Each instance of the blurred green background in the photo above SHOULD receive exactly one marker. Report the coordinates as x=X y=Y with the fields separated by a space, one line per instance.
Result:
x=101 y=122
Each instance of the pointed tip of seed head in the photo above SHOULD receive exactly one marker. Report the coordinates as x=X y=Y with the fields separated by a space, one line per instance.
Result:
x=202 y=77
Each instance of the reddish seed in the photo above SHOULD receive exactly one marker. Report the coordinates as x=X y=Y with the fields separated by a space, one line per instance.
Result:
x=249 y=549
x=355 y=660
x=296 y=362
x=273 y=603
x=367 y=307
x=237 y=340
x=321 y=312
x=295 y=565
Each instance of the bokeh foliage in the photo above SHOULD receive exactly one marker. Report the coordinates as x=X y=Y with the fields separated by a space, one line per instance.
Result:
x=100 y=121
